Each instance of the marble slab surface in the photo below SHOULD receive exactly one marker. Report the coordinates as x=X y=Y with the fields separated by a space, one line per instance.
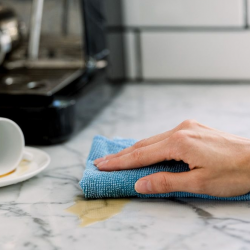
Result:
x=33 y=213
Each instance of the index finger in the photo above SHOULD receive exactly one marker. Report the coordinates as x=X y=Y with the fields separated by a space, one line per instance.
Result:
x=141 y=157
x=138 y=145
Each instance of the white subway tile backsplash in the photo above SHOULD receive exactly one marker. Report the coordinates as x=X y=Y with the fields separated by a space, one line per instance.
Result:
x=183 y=12
x=248 y=11
x=131 y=56
x=196 y=55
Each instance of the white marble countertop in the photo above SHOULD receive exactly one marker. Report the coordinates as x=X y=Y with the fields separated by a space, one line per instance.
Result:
x=33 y=213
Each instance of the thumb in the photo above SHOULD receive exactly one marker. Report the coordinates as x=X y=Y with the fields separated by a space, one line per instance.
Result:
x=164 y=182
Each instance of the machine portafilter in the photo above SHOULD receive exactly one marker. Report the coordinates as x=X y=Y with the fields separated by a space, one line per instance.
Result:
x=10 y=31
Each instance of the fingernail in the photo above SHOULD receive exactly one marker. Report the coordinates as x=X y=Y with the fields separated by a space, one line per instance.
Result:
x=143 y=186
x=102 y=164
x=99 y=160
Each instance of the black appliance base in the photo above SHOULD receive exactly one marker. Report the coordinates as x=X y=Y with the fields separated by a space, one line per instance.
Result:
x=67 y=112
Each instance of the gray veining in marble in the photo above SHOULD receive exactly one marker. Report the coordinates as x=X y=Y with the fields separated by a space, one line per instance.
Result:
x=33 y=215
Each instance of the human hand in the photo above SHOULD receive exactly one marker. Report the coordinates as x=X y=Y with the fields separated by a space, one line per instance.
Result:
x=219 y=162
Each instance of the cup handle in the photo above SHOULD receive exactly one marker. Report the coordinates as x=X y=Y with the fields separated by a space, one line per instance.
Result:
x=27 y=156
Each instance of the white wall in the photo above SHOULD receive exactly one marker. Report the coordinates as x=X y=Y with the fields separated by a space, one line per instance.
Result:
x=183 y=12
x=181 y=39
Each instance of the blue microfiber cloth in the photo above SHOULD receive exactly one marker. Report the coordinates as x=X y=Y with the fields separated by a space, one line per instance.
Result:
x=99 y=184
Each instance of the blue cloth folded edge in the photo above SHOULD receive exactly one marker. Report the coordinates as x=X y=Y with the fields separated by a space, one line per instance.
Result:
x=118 y=184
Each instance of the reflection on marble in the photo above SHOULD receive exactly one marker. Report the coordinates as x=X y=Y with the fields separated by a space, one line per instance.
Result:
x=33 y=213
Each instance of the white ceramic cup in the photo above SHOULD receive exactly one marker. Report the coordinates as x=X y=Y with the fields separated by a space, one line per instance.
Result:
x=11 y=146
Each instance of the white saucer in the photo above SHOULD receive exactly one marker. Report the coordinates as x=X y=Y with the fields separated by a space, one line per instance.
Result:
x=25 y=169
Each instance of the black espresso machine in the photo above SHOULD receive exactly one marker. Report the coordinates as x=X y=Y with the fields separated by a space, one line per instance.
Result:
x=53 y=60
